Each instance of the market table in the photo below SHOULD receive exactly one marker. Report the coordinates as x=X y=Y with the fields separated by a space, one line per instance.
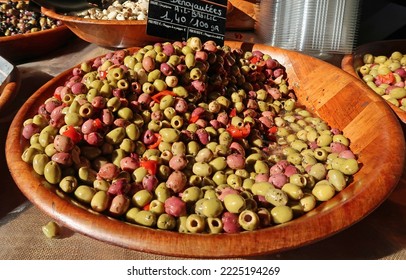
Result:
x=379 y=236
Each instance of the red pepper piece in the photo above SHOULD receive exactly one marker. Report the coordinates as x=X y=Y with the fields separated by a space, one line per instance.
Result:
x=158 y=141
x=103 y=75
x=147 y=207
x=73 y=134
x=239 y=132
x=97 y=123
x=254 y=59
x=386 y=79
x=193 y=119
x=58 y=96
x=150 y=165
x=157 y=97
x=233 y=112
x=273 y=130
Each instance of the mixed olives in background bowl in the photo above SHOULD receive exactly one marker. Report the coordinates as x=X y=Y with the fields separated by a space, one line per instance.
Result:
x=26 y=33
x=381 y=66
x=191 y=143
x=17 y=17
x=107 y=32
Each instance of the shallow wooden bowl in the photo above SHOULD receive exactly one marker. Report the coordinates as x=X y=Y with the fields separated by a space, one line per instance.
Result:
x=23 y=47
x=376 y=137
x=106 y=33
x=352 y=62
x=131 y=33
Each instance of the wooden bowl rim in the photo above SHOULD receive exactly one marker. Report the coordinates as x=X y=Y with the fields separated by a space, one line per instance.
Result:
x=18 y=37
x=179 y=244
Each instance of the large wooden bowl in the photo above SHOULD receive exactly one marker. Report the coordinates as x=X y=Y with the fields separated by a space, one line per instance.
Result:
x=336 y=96
x=352 y=62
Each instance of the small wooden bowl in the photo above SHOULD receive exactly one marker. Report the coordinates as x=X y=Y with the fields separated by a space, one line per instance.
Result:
x=23 y=47
x=352 y=62
x=374 y=131
x=106 y=33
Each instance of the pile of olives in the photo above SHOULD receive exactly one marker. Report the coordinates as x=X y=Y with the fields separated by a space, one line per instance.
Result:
x=117 y=10
x=187 y=136
x=16 y=17
x=386 y=76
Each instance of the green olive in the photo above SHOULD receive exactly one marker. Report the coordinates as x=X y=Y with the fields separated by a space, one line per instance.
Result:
x=349 y=166
x=261 y=167
x=281 y=214
x=218 y=164
x=141 y=198
x=116 y=135
x=248 y=220
x=308 y=202
x=293 y=191
x=298 y=179
x=51 y=229
x=87 y=174
x=276 y=197
x=29 y=154
x=39 y=162
x=323 y=191
x=145 y=218
x=215 y=225
x=195 y=223
x=166 y=222
x=101 y=184
x=130 y=214
x=318 y=171
x=234 y=203
x=68 y=184
x=212 y=208
x=337 y=179
x=162 y=192
x=100 y=201
x=204 y=155
x=192 y=194
x=52 y=172
x=84 y=193
x=341 y=139
x=261 y=188
x=118 y=154
x=169 y=135
x=157 y=207
x=202 y=169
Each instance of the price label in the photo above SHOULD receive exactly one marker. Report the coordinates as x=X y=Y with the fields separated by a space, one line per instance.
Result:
x=181 y=19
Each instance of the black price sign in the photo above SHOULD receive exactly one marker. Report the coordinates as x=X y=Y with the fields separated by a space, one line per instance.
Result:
x=182 y=19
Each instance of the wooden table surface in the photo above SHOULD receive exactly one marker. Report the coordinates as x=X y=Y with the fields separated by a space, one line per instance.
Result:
x=380 y=235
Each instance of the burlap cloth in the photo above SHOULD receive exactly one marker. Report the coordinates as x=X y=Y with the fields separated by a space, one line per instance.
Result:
x=381 y=235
